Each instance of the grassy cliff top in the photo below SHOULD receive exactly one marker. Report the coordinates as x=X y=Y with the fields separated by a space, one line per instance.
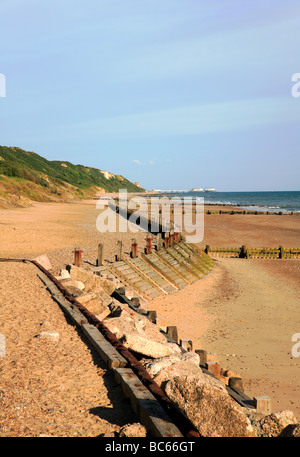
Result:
x=27 y=175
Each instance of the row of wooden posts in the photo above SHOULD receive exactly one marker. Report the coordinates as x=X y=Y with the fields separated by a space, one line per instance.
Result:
x=247 y=253
x=260 y=403
x=167 y=240
x=235 y=383
x=267 y=213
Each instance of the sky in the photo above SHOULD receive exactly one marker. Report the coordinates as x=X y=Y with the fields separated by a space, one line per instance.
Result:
x=174 y=94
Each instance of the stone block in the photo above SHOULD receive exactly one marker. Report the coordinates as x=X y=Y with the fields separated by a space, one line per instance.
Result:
x=44 y=261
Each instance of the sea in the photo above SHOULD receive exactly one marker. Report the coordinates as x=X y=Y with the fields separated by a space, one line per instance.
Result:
x=274 y=201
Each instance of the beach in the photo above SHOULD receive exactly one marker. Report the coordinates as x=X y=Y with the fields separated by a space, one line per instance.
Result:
x=243 y=313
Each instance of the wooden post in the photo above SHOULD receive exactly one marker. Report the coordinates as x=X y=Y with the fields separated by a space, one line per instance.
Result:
x=186 y=344
x=77 y=257
x=100 y=259
x=148 y=244
x=243 y=252
x=134 y=249
x=263 y=404
x=214 y=368
x=167 y=240
x=203 y=356
x=136 y=301
x=120 y=251
x=172 y=238
x=152 y=316
x=158 y=242
x=121 y=290
x=236 y=383
x=173 y=333
x=208 y=249
x=281 y=252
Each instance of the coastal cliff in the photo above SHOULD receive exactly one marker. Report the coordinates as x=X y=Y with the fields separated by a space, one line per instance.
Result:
x=26 y=177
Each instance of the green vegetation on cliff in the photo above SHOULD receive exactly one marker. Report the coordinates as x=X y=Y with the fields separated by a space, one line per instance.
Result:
x=27 y=175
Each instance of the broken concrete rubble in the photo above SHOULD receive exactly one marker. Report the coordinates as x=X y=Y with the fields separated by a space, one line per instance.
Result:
x=75 y=288
x=156 y=365
x=96 y=303
x=209 y=408
x=149 y=347
x=203 y=399
x=140 y=335
x=274 y=424
x=69 y=282
x=92 y=282
x=44 y=261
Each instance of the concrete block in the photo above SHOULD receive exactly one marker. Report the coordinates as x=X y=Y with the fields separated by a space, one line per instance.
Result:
x=173 y=333
x=44 y=261
x=263 y=404
x=186 y=344
x=236 y=383
x=203 y=356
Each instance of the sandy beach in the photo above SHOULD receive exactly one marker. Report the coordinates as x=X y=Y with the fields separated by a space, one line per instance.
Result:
x=243 y=313
x=50 y=388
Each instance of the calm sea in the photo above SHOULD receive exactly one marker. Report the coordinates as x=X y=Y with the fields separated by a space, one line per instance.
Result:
x=257 y=201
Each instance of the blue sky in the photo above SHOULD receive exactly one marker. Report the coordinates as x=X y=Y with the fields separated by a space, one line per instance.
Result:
x=171 y=93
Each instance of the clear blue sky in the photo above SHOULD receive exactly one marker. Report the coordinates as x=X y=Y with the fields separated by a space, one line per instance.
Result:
x=171 y=93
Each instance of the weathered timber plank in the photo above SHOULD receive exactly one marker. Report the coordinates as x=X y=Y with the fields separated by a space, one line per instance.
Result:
x=107 y=352
x=72 y=311
x=150 y=412
x=164 y=271
x=181 y=280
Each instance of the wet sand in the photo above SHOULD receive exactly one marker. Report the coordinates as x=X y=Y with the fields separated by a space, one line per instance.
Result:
x=251 y=230
x=243 y=312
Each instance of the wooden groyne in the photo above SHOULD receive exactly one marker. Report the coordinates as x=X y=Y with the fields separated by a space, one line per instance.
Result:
x=159 y=270
x=253 y=212
x=245 y=252
x=191 y=208
x=153 y=408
